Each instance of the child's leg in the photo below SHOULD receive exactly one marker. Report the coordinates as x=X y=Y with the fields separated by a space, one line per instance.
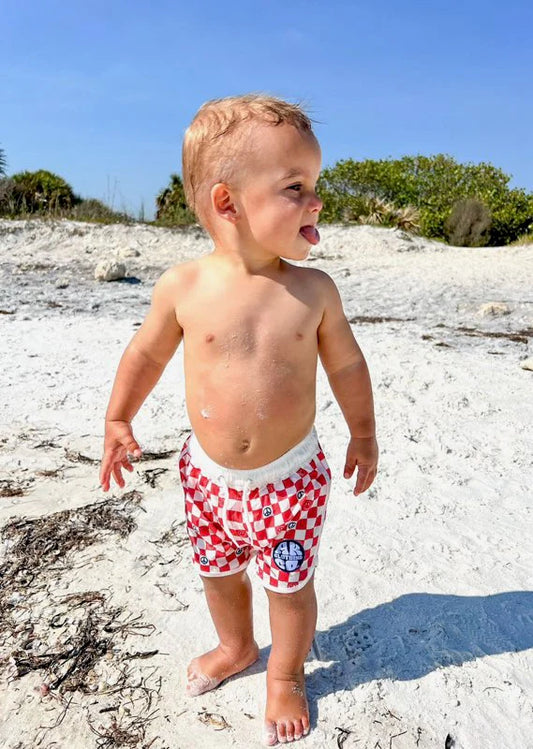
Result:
x=292 y=623
x=230 y=603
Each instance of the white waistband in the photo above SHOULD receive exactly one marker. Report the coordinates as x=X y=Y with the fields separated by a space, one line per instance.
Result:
x=280 y=468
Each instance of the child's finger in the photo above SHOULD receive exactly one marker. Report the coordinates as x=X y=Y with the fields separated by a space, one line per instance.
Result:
x=366 y=480
x=362 y=475
x=104 y=475
x=349 y=468
x=117 y=473
x=132 y=448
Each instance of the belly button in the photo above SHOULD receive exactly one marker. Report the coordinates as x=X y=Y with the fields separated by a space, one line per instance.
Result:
x=245 y=444
x=209 y=338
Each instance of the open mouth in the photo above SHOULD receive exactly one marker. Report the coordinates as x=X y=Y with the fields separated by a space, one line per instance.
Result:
x=310 y=233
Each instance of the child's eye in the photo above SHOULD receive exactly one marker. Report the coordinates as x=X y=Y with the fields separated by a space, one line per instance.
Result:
x=294 y=187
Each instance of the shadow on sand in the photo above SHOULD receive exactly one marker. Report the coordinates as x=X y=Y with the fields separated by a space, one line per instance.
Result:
x=417 y=633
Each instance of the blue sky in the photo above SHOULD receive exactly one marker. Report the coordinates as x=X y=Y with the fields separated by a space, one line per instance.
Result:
x=102 y=92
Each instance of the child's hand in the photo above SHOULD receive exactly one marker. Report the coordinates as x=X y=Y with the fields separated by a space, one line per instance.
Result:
x=118 y=443
x=363 y=453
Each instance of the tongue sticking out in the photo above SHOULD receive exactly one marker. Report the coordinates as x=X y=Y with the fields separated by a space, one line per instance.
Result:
x=310 y=234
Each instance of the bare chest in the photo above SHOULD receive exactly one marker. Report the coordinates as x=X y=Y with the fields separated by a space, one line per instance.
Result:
x=250 y=325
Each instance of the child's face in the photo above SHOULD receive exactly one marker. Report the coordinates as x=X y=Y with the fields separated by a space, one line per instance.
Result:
x=275 y=204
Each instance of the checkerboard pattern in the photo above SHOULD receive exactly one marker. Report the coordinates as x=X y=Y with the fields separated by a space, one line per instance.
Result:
x=279 y=523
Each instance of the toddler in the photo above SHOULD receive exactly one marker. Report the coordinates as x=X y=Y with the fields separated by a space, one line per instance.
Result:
x=253 y=324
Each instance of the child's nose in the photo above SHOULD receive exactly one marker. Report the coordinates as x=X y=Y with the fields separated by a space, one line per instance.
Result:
x=315 y=203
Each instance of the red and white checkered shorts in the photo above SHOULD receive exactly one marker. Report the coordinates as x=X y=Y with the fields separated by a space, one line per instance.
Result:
x=274 y=513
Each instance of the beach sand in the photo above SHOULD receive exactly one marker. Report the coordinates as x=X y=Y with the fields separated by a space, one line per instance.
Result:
x=425 y=582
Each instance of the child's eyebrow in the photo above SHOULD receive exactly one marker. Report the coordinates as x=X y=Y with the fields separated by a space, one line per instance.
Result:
x=293 y=173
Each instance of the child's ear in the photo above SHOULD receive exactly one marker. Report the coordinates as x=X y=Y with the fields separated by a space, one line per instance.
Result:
x=223 y=202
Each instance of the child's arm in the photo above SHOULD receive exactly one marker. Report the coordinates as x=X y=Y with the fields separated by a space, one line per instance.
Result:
x=349 y=378
x=140 y=367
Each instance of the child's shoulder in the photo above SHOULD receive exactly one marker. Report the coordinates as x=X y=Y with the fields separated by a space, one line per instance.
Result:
x=305 y=272
x=178 y=274
x=318 y=279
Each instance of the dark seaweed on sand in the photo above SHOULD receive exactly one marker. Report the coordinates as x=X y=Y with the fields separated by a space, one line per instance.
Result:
x=11 y=488
x=34 y=540
x=74 y=634
x=39 y=548
x=519 y=336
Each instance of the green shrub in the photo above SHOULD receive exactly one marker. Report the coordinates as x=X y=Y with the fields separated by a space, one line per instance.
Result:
x=351 y=209
x=90 y=209
x=171 y=206
x=431 y=185
x=468 y=225
x=524 y=239
x=512 y=216
x=42 y=192
x=7 y=197
x=46 y=195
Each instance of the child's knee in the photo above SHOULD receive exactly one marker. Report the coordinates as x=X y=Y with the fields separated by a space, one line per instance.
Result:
x=297 y=599
x=225 y=581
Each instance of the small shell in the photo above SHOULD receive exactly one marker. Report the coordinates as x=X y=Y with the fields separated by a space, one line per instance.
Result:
x=44 y=689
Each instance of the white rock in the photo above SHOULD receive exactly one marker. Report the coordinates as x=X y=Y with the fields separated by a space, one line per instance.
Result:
x=128 y=252
x=109 y=270
x=527 y=363
x=62 y=283
x=495 y=309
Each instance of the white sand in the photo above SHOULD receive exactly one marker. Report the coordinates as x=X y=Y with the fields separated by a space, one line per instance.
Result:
x=425 y=583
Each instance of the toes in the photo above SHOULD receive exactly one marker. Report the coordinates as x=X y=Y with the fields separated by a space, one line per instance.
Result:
x=290 y=733
x=197 y=685
x=200 y=683
x=284 y=733
x=192 y=668
x=297 y=730
x=270 y=734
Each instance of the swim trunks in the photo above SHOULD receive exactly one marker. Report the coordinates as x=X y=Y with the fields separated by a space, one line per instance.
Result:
x=274 y=513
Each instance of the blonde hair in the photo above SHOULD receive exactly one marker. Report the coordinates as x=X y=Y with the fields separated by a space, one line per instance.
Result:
x=215 y=142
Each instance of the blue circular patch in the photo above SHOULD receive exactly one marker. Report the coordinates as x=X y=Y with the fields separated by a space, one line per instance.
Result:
x=288 y=555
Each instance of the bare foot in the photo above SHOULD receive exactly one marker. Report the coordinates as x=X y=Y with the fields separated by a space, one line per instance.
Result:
x=210 y=669
x=287 y=713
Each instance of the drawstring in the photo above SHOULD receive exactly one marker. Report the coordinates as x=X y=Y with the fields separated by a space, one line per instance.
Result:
x=245 y=515
x=225 y=508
